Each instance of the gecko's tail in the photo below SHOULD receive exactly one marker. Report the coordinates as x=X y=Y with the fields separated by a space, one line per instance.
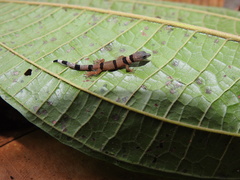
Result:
x=63 y=62
x=66 y=63
x=74 y=66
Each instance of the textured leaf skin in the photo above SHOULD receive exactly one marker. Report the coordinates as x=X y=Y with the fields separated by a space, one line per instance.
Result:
x=172 y=116
x=210 y=17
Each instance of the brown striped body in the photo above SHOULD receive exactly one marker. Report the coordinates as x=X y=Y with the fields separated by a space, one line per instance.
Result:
x=101 y=65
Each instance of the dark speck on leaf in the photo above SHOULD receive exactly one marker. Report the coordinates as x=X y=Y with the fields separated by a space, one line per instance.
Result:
x=116 y=117
x=126 y=23
x=172 y=91
x=169 y=29
x=199 y=81
x=83 y=136
x=175 y=63
x=75 y=14
x=143 y=33
x=173 y=149
x=124 y=99
x=122 y=50
x=28 y=72
x=15 y=73
x=65 y=117
x=154 y=160
x=208 y=91
x=50 y=103
x=143 y=87
x=35 y=108
x=53 y=39
x=108 y=47
x=168 y=83
x=42 y=112
x=180 y=19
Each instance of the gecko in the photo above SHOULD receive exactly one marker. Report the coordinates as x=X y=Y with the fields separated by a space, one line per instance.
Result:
x=100 y=65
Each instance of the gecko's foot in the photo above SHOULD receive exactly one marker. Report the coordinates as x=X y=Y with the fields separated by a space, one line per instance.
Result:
x=130 y=70
x=99 y=61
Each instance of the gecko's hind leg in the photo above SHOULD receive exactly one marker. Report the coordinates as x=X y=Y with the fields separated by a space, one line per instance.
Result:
x=93 y=73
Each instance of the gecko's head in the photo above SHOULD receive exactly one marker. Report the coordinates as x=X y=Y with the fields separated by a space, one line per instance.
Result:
x=140 y=55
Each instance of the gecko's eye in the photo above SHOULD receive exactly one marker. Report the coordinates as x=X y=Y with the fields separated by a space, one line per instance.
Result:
x=144 y=57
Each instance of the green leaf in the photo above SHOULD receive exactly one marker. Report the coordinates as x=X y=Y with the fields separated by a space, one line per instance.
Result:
x=177 y=115
x=210 y=17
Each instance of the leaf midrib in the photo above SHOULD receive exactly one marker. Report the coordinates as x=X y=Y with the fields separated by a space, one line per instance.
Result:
x=136 y=16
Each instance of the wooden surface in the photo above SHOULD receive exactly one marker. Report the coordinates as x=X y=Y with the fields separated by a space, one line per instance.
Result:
x=219 y=3
x=37 y=156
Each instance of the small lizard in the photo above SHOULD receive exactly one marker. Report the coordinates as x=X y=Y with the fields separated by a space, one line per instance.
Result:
x=101 y=65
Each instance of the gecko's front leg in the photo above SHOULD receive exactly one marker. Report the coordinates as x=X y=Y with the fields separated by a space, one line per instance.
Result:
x=128 y=69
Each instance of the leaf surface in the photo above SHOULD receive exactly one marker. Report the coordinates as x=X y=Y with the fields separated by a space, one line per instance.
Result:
x=173 y=115
x=221 y=19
